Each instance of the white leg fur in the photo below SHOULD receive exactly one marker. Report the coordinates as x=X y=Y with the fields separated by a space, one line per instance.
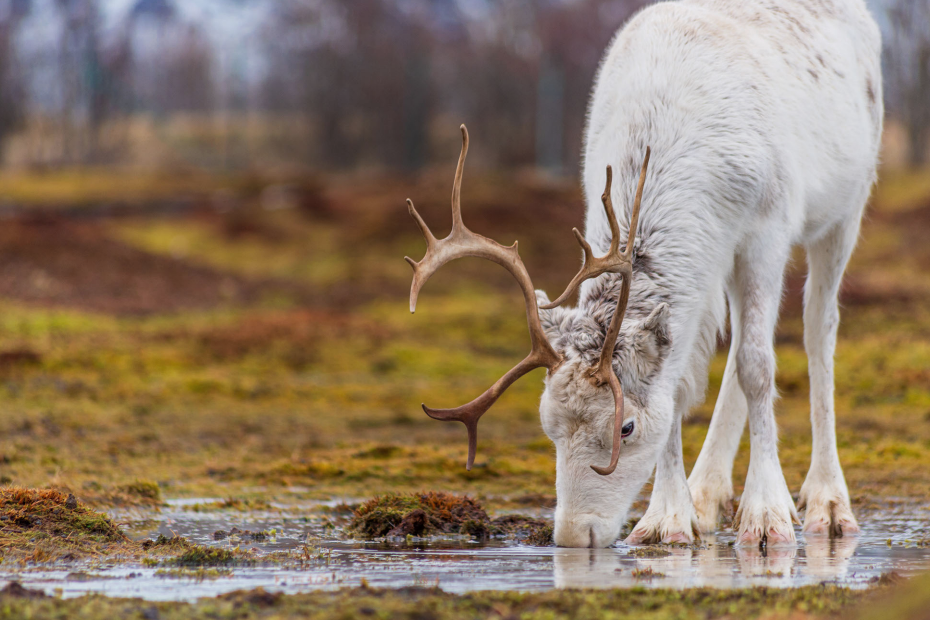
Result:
x=824 y=492
x=711 y=479
x=766 y=510
x=670 y=517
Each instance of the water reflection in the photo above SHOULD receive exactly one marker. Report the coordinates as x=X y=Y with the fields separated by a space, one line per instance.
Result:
x=829 y=560
x=717 y=562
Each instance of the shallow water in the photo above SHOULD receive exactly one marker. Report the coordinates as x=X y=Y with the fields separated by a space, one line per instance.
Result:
x=319 y=559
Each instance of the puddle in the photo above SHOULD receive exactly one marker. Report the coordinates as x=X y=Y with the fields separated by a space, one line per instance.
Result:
x=456 y=564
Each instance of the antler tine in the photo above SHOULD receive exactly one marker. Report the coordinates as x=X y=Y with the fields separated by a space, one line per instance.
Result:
x=614 y=261
x=458 y=226
x=611 y=214
x=581 y=276
x=469 y=413
x=462 y=242
x=634 y=216
x=604 y=372
x=457 y=184
x=594 y=266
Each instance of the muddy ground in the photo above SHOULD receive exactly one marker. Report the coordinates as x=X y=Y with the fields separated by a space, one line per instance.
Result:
x=250 y=340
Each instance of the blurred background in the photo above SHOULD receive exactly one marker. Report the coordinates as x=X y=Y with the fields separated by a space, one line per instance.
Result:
x=202 y=223
x=338 y=86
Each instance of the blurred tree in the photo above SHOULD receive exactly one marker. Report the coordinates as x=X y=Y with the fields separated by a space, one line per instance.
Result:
x=80 y=76
x=907 y=72
x=362 y=72
x=573 y=37
x=371 y=75
x=12 y=91
x=171 y=60
x=188 y=83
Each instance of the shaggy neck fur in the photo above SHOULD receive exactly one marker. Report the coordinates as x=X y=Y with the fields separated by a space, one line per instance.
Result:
x=676 y=351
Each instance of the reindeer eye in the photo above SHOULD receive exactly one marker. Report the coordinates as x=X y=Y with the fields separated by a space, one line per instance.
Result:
x=627 y=429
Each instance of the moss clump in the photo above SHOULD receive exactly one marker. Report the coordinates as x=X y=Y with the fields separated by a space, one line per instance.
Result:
x=164 y=543
x=431 y=513
x=241 y=504
x=198 y=555
x=541 y=536
x=475 y=529
x=144 y=491
x=49 y=523
x=516 y=526
x=190 y=555
x=417 y=514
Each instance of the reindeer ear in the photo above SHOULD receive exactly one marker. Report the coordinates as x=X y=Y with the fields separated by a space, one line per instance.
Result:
x=657 y=323
x=551 y=319
x=653 y=341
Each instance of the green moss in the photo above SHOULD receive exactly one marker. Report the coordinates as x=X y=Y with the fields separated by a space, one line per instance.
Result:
x=144 y=490
x=60 y=523
x=431 y=513
x=198 y=555
x=541 y=537
x=418 y=514
x=185 y=554
x=638 y=603
x=241 y=504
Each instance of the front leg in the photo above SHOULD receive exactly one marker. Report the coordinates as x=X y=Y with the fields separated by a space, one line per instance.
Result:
x=711 y=478
x=670 y=517
x=766 y=510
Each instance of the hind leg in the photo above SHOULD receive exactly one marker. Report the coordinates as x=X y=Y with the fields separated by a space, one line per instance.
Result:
x=824 y=492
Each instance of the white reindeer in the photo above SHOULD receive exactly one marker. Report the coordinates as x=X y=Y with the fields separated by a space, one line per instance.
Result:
x=765 y=119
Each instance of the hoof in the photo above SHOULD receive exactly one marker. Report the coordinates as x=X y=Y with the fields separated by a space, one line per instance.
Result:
x=830 y=518
x=713 y=500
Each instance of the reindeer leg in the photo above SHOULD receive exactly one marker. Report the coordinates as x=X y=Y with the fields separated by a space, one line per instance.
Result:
x=766 y=509
x=824 y=492
x=670 y=517
x=711 y=479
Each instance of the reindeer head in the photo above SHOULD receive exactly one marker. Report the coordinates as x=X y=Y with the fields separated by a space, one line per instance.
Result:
x=583 y=407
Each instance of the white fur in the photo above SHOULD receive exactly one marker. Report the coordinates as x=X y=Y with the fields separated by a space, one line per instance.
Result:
x=764 y=121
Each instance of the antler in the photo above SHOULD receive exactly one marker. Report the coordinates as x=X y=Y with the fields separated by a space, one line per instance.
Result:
x=462 y=242
x=621 y=263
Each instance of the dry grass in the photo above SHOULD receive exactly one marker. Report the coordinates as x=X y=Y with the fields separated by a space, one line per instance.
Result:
x=305 y=382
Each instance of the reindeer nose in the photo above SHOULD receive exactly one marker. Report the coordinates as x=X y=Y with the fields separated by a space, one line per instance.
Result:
x=584 y=531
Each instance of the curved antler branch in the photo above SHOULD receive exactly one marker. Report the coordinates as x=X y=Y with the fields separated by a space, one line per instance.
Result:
x=617 y=391
x=460 y=243
x=620 y=263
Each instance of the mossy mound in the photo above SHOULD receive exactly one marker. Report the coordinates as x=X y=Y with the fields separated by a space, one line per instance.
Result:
x=417 y=514
x=190 y=555
x=41 y=525
x=198 y=555
x=541 y=536
x=432 y=513
x=55 y=513
x=138 y=493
